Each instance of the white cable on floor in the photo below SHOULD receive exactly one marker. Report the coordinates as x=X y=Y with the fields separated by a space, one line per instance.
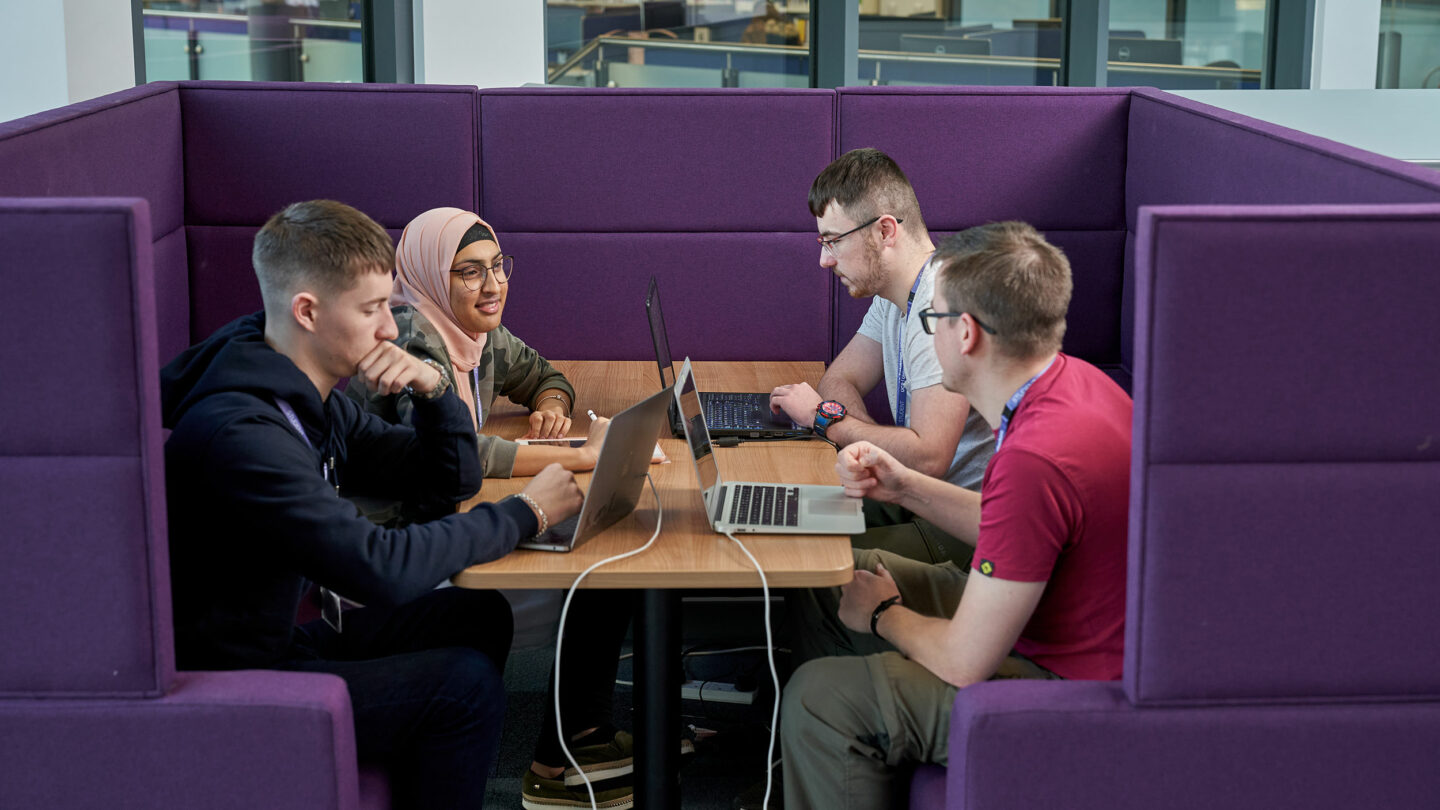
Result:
x=775 y=677
x=560 y=636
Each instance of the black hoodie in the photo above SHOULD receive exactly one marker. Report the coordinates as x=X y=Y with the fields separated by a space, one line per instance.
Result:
x=252 y=516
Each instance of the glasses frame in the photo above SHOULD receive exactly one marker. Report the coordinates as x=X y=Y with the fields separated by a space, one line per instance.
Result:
x=928 y=316
x=829 y=244
x=503 y=268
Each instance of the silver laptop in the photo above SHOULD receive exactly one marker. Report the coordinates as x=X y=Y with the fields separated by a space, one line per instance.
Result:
x=760 y=508
x=619 y=474
x=741 y=415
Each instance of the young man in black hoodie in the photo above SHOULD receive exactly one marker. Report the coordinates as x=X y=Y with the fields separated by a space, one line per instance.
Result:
x=261 y=450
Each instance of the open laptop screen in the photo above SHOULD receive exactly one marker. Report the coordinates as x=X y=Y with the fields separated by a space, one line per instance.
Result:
x=697 y=433
x=658 y=336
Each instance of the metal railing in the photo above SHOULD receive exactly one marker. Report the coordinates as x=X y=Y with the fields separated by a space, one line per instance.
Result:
x=591 y=59
x=194 y=49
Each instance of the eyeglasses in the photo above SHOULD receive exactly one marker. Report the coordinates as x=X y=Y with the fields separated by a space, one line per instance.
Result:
x=928 y=317
x=829 y=244
x=474 y=274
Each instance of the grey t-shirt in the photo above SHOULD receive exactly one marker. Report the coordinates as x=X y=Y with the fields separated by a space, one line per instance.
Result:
x=882 y=324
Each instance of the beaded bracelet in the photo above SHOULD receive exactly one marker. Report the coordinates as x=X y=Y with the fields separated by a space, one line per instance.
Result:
x=539 y=513
x=560 y=397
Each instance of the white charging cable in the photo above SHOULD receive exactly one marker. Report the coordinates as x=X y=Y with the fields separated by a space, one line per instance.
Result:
x=774 y=676
x=560 y=636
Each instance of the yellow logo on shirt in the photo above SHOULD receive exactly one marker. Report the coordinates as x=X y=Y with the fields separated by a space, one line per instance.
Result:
x=986 y=567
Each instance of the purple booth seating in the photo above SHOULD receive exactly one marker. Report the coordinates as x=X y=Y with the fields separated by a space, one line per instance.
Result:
x=1280 y=632
x=596 y=190
x=92 y=711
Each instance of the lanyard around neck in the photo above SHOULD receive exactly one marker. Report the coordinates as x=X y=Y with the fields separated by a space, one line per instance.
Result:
x=325 y=465
x=902 y=394
x=1014 y=402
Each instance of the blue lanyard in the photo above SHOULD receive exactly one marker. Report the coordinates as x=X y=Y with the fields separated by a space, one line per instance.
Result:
x=902 y=394
x=325 y=466
x=479 y=412
x=1014 y=402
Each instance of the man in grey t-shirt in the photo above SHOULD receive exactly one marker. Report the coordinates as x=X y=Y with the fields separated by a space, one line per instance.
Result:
x=874 y=240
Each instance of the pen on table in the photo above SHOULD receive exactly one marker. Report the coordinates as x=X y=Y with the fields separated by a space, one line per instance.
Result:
x=593 y=417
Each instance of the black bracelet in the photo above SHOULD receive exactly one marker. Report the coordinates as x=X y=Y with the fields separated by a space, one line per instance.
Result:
x=875 y=617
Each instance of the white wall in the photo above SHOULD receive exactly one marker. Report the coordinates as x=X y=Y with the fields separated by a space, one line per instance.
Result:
x=32 y=58
x=58 y=53
x=1347 y=40
x=487 y=43
x=1402 y=124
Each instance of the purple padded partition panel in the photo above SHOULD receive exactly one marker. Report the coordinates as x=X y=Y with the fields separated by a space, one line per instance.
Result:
x=1182 y=152
x=1287 y=455
x=126 y=144
x=596 y=190
x=221 y=256
x=1053 y=157
x=253 y=148
x=594 y=308
x=85 y=585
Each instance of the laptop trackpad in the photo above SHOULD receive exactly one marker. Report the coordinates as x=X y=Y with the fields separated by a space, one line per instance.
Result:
x=840 y=505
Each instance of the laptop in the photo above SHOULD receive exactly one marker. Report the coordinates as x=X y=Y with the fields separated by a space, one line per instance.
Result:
x=760 y=508
x=619 y=475
x=745 y=416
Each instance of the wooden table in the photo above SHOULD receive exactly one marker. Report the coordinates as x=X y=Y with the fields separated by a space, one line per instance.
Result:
x=688 y=554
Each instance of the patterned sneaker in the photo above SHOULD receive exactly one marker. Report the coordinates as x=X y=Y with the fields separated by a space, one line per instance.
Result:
x=607 y=760
x=539 y=793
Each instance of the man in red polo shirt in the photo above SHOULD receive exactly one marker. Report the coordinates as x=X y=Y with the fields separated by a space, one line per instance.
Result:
x=1045 y=597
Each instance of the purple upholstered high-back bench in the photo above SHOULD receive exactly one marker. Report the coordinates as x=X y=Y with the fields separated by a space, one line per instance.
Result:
x=92 y=711
x=595 y=191
x=1283 y=536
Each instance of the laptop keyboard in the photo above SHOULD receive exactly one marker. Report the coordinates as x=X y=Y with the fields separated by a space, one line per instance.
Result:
x=736 y=411
x=761 y=505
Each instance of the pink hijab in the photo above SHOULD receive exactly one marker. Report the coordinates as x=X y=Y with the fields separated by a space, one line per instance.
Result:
x=422 y=280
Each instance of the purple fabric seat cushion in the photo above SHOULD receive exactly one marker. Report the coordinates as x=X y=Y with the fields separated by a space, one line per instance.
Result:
x=1079 y=745
x=224 y=740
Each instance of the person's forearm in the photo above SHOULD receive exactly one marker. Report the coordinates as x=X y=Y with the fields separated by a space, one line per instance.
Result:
x=907 y=446
x=833 y=386
x=924 y=640
x=954 y=509
x=555 y=396
x=532 y=458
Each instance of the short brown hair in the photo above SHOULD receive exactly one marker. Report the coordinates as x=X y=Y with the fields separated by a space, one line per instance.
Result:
x=868 y=183
x=320 y=243
x=1007 y=275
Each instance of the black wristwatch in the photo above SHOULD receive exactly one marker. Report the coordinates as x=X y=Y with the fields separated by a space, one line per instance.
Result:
x=827 y=413
x=881 y=608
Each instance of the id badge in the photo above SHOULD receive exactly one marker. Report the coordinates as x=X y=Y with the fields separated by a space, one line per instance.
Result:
x=330 y=608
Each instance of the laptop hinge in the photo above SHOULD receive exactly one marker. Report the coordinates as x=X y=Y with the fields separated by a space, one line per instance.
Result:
x=719 y=505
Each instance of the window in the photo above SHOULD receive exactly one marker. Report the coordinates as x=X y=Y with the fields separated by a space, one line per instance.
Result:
x=677 y=44
x=1409 y=44
x=244 y=40
x=1012 y=42
x=1180 y=45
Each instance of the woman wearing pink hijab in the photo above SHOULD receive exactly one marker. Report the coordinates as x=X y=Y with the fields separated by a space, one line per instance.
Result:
x=451 y=282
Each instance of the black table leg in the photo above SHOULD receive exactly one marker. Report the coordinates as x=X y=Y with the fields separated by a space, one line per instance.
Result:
x=657 y=700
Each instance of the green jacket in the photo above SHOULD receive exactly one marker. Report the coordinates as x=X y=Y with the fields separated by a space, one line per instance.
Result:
x=507 y=367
